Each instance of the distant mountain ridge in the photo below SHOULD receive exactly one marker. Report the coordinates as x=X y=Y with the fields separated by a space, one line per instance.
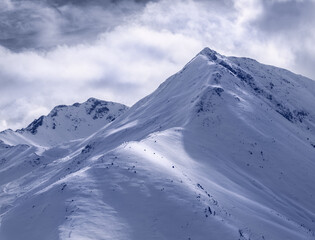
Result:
x=65 y=123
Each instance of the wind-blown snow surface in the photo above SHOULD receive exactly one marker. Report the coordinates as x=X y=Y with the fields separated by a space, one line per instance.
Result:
x=224 y=149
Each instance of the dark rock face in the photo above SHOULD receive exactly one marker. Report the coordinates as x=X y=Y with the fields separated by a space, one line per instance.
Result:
x=93 y=106
x=32 y=128
x=210 y=54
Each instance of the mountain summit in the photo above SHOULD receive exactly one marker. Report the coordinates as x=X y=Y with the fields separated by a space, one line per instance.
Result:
x=65 y=123
x=223 y=149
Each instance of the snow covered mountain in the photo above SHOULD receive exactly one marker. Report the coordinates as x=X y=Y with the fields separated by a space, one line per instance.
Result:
x=224 y=149
x=65 y=123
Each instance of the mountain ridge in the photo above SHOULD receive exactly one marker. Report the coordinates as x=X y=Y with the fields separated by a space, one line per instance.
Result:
x=209 y=154
x=78 y=119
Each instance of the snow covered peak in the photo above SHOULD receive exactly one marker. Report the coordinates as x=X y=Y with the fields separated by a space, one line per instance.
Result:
x=212 y=85
x=65 y=123
x=211 y=54
x=223 y=149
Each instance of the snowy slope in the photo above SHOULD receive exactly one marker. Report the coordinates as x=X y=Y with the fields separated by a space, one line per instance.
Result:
x=65 y=123
x=224 y=149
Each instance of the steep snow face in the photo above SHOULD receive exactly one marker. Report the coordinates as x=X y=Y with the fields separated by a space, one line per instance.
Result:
x=65 y=123
x=210 y=81
x=250 y=129
x=224 y=149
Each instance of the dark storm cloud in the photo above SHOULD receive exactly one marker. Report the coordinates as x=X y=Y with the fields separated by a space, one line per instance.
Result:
x=283 y=17
x=292 y=24
x=45 y=24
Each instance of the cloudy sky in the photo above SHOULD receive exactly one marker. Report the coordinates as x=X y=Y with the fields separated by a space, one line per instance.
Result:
x=56 y=52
